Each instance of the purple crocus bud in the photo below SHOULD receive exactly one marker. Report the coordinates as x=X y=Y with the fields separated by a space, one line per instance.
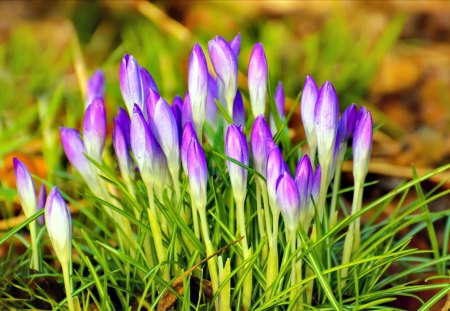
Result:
x=147 y=152
x=289 y=201
x=198 y=85
x=362 y=144
x=176 y=107
x=94 y=129
x=259 y=140
x=152 y=99
x=347 y=124
x=59 y=225
x=280 y=103
x=235 y=45
x=95 y=86
x=257 y=80
x=236 y=148
x=188 y=135
x=225 y=66
x=42 y=197
x=186 y=111
x=239 y=110
x=211 y=107
x=303 y=178
x=275 y=168
x=325 y=122
x=315 y=186
x=148 y=83
x=121 y=141
x=164 y=127
x=130 y=83
x=307 y=106
x=197 y=173
x=75 y=152
x=25 y=188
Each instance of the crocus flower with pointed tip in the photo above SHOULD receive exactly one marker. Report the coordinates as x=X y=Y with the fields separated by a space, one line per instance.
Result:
x=59 y=225
x=304 y=181
x=147 y=152
x=188 y=135
x=176 y=107
x=347 y=124
x=148 y=83
x=94 y=129
x=326 y=114
x=42 y=197
x=259 y=140
x=224 y=62
x=131 y=83
x=275 y=168
x=279 y=103
x=307 y=106
x=362 y=144
x=121 y=141
x=75 y=152
x=289 y=201
x=197 y=173
x=257 y=80
x=95 y=86
x=236 y=148
x=25 y=188
x=186 y=111
x=239 y=110
x=211 y=107
x=198 y=85
x=315 y=186
x=235 y=45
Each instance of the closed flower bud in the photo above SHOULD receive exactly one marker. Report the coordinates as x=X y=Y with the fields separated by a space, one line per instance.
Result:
x=362 y=144
x=239 y=110
x=347 y=124
x=224 y=62
x=59 y=225
x=177 y=105
x=25 y=188
x=148 y=83
x=211 y=107
x=279 y=103
x=121 y=141
x=198 y=85
x=325 y=122
x=257 y=80
x=260 y=139
x=75 y=152
x=188 y=135
x=42 y=197
x=95 y=86
x=130 y=83
x=275 y=168
x=315 y=186
x=236 y=148
x=235 y=45
x=94 y=129
x=304 y=178
x=197 y=173
x=289 y=201
x=307 y=106
x=186 y=111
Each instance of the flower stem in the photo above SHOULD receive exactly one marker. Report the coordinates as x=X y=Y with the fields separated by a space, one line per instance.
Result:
x=293 y=239
x=67 y=285
x=260 y=213
x=34 y=263
x=336 y=185
x=247 y=287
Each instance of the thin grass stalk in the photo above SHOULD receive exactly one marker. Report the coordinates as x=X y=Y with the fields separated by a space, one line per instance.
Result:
x=248 y=283
x=34 y=263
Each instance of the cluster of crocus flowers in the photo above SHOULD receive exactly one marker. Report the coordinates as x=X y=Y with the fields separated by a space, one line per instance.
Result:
x=155 y=142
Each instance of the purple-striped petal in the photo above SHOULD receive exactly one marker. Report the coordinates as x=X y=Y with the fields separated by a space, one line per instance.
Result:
x=239 y=110
x=289 y=201
x=257 y=80
x=186 y=112
x=95 y=86
x=197 y=173
x=188 y=135
x=362 y=144
x=275 y=168
x=259 y=140
x=307 y=106
x=75 y=152
x=121 y=141
x=130 y=83
x=25 y=188
x=235 y=45
x=94 y=129
x=304 y=178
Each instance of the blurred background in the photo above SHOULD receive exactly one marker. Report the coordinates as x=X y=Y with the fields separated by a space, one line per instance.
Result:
x=392 y=56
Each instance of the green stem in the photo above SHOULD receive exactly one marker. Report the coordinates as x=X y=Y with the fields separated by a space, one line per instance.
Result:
x=272 y=263
x=266 y=210
x=247 y=286
x=323 y=190
x=34 y=263
x=67 y=285
x=260 y=213
x=336 y=185
x=293 y=238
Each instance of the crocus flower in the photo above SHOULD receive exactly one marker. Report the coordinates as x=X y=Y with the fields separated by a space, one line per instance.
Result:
x=236 y=148
x=42 y=197
x=25 y=188
x=95 y=86
x=238 y=110
x=347 y=124
x=235 y=45
x=130 y=83
x=211 y=107
x=147 y=152
x=307 y=106
x=186 y=111
x=257 y=80
x=289 y=201
x=275 y=168
x=59 y=225
x=325 y=122
x=304 y=181
x=148 y=83
x=198 y=85
x=121 y=141
x=75 y=152
x=315 y=186
x=197 y=173
x=279 y=103
x=188 y=135
x=176 y=107
x=94 y=129
x=224 y=62
x=259 y=140
x=362 y=144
